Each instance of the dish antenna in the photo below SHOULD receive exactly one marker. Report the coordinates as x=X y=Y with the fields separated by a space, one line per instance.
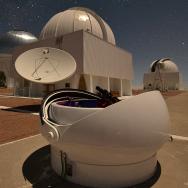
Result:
x=45 y=65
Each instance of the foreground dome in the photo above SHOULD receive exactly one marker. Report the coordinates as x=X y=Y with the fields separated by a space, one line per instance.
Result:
x=12 y=39
x=104 y=146
x=74 y=19
x=165 y=65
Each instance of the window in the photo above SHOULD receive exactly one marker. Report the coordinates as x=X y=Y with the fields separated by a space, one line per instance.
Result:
x=67 y=85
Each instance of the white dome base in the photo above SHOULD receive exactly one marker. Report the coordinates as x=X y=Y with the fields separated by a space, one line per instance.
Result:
x=108 y=176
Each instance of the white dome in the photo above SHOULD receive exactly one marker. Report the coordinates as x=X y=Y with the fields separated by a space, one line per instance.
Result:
x=109 y=145
x=165 y=65
x=75 y=19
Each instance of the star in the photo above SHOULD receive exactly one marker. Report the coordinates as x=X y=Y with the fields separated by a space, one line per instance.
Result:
x=183 y=43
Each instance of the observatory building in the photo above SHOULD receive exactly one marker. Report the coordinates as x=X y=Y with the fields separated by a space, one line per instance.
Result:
x=90 y=41
x=163 y=75
x=8 y=42
x=77 y=50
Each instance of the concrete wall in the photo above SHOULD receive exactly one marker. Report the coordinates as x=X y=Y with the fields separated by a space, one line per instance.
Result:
x=170 y=81
x=126 y=87
x=104 y=59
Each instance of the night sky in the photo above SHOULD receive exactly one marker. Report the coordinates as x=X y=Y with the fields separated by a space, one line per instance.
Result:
x=149 y=29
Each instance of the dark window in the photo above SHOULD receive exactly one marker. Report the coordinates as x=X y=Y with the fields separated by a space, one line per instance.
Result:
x=2 y=79
x=67 y=85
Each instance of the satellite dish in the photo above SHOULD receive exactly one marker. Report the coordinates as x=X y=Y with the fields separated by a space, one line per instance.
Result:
x=45 y=65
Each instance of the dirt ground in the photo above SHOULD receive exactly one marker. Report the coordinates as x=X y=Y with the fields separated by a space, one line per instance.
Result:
x=15 y=124
x=6 y=91
x=165 y=94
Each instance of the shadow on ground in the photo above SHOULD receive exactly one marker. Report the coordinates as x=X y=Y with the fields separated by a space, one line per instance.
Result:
x=37 y=170
x=25 y=109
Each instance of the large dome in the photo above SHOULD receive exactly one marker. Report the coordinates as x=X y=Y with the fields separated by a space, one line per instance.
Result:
x=12 y=39
x=165 y=65
x=74 y=19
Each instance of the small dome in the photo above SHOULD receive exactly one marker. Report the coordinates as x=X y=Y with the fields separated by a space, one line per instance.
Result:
x=12 y=39
x=165 y=65
x=74 y=19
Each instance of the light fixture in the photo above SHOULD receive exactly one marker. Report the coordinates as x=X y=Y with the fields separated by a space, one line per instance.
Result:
x=83 y=18
x=24 y=36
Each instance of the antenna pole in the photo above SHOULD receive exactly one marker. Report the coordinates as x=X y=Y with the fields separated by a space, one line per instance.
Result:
x=158 y=78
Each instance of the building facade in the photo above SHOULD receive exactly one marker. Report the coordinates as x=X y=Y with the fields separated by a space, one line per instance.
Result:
x=163 y=75
x=90 y=40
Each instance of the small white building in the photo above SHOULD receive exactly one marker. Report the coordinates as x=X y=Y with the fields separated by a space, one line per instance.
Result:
x=90 y=40
x=163 y=75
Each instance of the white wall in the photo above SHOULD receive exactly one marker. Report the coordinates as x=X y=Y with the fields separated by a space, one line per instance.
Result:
x=127 y=87
x=104 y=59
x=115 y=84
x=170 y=81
